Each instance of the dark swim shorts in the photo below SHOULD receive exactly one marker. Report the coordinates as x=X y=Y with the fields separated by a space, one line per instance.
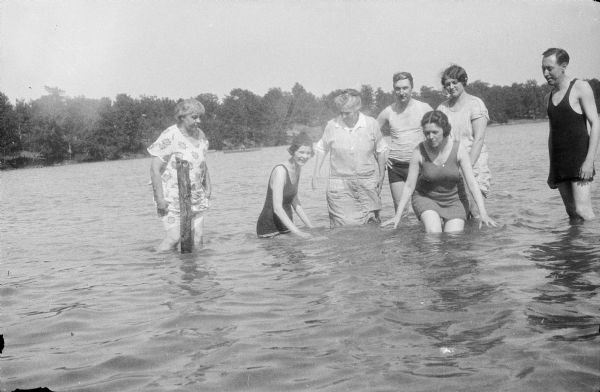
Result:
x=397 y=170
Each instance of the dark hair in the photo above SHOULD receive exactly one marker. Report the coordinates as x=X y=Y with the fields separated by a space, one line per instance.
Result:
x=455 y=72
x=301 y=139
x=562 y=57
x=401 y=76
x=438 y=118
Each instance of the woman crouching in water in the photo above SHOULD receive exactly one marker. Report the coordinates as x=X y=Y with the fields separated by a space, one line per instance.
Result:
x=282 y=192
x=434 y=175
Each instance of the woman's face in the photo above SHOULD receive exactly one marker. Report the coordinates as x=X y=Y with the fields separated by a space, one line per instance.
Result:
x=191 y=122
x=302 y=155
x=350 y=118
x=434 y=135
x=453 y=87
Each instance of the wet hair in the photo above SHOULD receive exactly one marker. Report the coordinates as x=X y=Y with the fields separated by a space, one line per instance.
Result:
x=438 y=118
x=562 y=57
x=401 y=76
x=188 y=106
x=348 y=100
x=300 y=140
x=455 y=72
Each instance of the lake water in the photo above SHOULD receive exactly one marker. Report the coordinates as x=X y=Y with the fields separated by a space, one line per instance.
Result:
x=87 y=305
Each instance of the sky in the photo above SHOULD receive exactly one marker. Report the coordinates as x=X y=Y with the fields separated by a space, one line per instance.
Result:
x=179 y=49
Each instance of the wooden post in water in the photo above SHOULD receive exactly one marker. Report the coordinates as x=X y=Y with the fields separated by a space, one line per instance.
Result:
x=185 y=205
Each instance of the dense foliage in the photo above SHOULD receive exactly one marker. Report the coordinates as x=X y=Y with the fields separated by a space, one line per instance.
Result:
x=57 y=128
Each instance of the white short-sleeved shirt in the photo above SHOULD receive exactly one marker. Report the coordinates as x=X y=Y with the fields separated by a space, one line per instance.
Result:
x=462 y=128
x=405 y=128
x=172 y=144
x=352 y=150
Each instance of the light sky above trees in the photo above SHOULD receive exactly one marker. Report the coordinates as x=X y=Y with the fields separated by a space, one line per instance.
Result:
x=100 y=48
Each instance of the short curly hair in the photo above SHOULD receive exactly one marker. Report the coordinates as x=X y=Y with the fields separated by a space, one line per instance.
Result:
x=188 y=106
x=301 y=139
x=438 y=118
x=455 y=72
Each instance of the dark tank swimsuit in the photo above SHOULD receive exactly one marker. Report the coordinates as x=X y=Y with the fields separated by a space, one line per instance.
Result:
x=437 y=187
x=268 y=223
x=569 y=140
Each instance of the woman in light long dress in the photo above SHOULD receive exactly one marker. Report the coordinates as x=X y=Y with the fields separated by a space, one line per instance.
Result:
x=468 y=117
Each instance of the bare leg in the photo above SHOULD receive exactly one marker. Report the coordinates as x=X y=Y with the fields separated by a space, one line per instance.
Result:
x=566 y=192
x=170 y=241
x=432 y=221
x=198 y=227
x=454 y=226
x=396 y=189
x=582 y=198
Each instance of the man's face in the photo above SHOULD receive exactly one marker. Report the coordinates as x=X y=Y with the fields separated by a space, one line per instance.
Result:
x=402 y=90
x=552 y=71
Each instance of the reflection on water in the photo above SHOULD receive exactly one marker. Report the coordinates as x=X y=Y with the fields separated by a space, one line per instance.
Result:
x=571 y=262
x=87 y=305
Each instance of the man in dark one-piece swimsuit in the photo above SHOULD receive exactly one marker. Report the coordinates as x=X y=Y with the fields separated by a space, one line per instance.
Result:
x=571 y=108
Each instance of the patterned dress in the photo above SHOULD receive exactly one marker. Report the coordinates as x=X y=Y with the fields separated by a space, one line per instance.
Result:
x=172 y=144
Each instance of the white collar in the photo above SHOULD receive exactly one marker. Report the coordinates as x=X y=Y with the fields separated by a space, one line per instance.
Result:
x=361 y=122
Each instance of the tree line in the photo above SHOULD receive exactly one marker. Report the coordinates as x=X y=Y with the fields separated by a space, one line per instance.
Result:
x=55 y=128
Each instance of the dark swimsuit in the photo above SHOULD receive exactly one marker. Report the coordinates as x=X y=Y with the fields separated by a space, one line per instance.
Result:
x=569 y=140
x=437 y=187
x=268 y=223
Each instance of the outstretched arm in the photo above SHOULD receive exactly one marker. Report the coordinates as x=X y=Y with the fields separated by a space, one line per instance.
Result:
x=409 y=187
x=300 y=212
x=588 y=106
x=467 y=170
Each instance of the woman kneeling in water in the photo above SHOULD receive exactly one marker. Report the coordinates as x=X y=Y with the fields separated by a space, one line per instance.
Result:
x=434 y=175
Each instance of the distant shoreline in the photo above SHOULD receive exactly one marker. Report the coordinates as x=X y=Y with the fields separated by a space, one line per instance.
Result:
x=6 y=167
x=519 y=121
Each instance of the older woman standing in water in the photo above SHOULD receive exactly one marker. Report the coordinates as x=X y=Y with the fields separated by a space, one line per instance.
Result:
x=434 y=175
x=357 y=154
x=184 y=140
x=468 y=117
x=282 y=193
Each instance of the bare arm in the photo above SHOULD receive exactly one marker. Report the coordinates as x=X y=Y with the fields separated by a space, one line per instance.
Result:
x=409 y=187
x=551 y=175
x=156 y=167
x=207 y=183
x=381 y=160
x=588 y=107
x=277 y=182
x=467 y=170
x=319 y=159
x=300 y=212
x=479 y=125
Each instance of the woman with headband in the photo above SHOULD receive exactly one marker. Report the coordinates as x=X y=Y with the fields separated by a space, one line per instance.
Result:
x=434 y=175
x=357 y=153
